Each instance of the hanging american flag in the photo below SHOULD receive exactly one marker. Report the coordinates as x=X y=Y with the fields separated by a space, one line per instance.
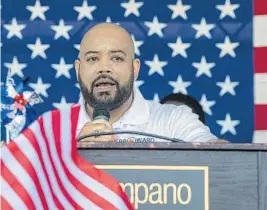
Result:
x=214 y=51
x=41 y=169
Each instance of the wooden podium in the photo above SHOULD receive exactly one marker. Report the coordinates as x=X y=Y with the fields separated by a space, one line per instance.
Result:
x=186 y=176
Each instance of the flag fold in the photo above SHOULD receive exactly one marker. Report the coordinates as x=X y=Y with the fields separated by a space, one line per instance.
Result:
x=41 y=169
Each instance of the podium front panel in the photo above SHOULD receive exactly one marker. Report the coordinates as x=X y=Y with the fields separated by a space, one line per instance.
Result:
x=216 y=178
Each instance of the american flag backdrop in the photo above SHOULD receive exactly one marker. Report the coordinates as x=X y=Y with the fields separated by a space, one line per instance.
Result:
x=215 y=51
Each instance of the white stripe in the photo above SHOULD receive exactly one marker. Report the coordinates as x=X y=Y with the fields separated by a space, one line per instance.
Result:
x=260 y=31
x=48 y=165
x=29 y=151
x=11 y=196
x=73 y=192
x=88 y=181
x=260 y=136
x=22 y=176
x=260 y=87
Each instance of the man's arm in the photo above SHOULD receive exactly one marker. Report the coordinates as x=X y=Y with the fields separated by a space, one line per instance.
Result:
x=189 y=128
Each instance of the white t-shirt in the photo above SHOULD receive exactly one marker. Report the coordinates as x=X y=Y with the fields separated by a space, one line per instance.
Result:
x=161 y=119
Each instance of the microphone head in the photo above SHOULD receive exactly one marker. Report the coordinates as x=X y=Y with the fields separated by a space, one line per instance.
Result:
x=101 y=113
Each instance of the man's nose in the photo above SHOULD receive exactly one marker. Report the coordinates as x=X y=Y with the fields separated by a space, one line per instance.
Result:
x=105 y=67
x=104 y=71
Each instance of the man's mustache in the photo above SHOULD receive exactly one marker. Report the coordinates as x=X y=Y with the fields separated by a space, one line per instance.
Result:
x=104 y=77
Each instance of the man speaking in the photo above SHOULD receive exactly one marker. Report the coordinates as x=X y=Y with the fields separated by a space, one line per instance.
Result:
x=106 y=71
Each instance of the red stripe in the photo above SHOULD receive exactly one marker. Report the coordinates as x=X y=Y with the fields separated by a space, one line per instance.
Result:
x=260 y=61
x=75 y=110
x=260 y=7
x=104 y=178
x=60 y=184
x=92 y=196
x=260 y=117
x=29 y=134
x=26 y=164
x=17 y=186
x=90 y=169
x=4 y=204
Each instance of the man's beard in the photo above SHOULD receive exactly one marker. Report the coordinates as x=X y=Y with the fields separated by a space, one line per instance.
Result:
x=105 y=99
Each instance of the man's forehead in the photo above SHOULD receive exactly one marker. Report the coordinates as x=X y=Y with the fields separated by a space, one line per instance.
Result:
x=106 y=45
x=106 y=39
x=105 y=48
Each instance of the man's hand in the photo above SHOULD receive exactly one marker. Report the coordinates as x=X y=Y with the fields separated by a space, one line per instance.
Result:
x=97 y=126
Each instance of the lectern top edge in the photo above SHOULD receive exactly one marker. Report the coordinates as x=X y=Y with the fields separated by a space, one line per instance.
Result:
x=172 y=146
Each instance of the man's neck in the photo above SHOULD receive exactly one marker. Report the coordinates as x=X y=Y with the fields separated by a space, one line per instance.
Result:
x=116 y=114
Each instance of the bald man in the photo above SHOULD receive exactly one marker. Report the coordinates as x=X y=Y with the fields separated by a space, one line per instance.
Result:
x=106 y=71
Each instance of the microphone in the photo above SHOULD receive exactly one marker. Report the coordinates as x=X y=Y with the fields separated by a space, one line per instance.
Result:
x=101 y=113
x=130 y=132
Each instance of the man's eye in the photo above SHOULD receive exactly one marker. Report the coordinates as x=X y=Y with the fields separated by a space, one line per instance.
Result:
x=92 y=59
x=117 y=58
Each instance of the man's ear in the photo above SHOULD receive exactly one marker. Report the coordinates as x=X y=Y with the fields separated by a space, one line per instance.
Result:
x=77 y=66
x=136 y=68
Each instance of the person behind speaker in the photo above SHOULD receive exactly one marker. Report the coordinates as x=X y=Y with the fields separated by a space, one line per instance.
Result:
x=106 y=71
x=182 y=99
